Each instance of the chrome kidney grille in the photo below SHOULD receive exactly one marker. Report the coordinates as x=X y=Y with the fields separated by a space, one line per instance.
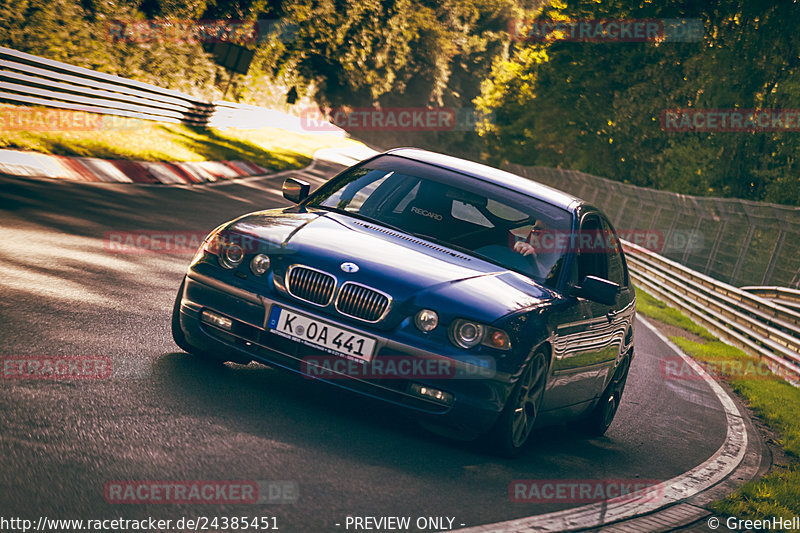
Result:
x=361 y=302
x=310 y=285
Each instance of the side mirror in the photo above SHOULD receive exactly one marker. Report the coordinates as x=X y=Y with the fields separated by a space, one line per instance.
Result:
x=295 y=190
x=597 y=289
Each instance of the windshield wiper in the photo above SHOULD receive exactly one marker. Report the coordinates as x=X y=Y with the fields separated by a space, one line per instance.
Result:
x=461 y=249
x=359 y=216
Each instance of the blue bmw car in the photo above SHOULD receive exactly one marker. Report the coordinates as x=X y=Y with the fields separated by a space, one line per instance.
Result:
x=480 y=300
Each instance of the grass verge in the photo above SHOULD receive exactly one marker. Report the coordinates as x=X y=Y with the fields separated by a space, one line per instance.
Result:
x=109 y=137
x=777 y=402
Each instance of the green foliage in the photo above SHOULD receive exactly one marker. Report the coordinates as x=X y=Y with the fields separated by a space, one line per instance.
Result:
x=596 y=107
x=775 y=495
x=64 y=30
x=353 y=53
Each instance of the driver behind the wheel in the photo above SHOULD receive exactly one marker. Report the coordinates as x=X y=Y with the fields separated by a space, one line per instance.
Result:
x=530 y=244
x=539 y=245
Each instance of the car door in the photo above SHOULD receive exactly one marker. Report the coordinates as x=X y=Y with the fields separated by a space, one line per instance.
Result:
x=622 y=313
x=585 y=344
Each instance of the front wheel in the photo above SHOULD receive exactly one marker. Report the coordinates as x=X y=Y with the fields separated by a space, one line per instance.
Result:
x=513 y=428
x=605 y=411
x=180 y=337
x=177 y=331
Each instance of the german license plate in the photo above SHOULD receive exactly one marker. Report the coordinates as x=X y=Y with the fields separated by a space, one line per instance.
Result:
x=320 y=334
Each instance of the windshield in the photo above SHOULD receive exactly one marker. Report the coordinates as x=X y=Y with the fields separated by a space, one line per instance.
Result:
x=488 y=221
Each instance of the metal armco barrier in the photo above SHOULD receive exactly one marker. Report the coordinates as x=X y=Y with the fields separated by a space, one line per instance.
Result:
x=780 y=295
x=32 y=80
x=757 y=325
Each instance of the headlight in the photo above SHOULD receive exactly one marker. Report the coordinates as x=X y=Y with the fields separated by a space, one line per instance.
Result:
x=467 y=334
x=228 y=247
x=209 y=245
x=426 y=320
x=259 y=264
x=232 y=254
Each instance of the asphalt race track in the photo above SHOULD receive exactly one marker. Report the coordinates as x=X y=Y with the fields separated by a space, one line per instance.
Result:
x=162 y=415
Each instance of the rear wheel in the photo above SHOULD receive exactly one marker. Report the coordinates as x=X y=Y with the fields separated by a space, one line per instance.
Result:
x=606 y=409
x=513 y=428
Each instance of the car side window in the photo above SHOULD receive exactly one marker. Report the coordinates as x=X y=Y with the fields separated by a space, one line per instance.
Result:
x=616 y=265
x=592 y=256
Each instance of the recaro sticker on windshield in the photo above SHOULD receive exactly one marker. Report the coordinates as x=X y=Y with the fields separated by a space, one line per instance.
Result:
x=425 y=213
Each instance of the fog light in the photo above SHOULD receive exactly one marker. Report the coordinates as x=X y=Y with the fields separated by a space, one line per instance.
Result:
x=426 y=320
x=231 y=256
x=433 y=394
x=259 y=265
x=215 y=319
x=467 y=334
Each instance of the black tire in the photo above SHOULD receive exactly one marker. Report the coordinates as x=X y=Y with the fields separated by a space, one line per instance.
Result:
x=180 y=337
x=513 y=428
x=177 y=331
x=606 y=409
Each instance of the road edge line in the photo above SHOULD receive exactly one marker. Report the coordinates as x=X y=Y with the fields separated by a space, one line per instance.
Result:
x=680 y=488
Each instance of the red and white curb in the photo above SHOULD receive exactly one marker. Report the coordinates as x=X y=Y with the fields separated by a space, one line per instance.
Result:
x=716 y=468
x=92 y=169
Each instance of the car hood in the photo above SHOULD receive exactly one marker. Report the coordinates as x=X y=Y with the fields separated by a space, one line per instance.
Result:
x=413 y=271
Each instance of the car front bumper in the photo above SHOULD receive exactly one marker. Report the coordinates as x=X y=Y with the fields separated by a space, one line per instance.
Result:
x=477 y=395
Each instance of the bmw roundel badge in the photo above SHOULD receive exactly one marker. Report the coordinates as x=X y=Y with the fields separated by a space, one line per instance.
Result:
x=349 y=267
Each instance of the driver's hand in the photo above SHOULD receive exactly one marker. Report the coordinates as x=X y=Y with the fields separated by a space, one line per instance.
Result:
x=524 y=248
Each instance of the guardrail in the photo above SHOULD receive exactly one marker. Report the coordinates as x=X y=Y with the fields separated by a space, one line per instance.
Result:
x=33 y=80
x=758 y=326
x=780 y=295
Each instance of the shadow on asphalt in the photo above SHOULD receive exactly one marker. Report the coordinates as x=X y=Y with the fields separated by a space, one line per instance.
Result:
x=308 y=414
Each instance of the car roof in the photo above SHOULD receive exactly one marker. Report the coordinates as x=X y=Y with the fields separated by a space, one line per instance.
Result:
x=491 y=175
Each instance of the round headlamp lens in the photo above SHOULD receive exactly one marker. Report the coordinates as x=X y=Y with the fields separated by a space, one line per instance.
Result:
x=232 y=256
x=259 y=264
x=426 y=320
x=467 y=334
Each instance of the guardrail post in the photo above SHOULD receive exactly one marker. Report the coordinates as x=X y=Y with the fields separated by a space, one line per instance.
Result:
x=774 y=259
x=715 y=247
x=742 y=253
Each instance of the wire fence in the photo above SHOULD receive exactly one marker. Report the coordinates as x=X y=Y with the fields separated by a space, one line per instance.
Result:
x=736 y=241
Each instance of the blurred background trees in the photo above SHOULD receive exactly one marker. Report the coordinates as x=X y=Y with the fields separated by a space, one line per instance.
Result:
x=593 y=107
